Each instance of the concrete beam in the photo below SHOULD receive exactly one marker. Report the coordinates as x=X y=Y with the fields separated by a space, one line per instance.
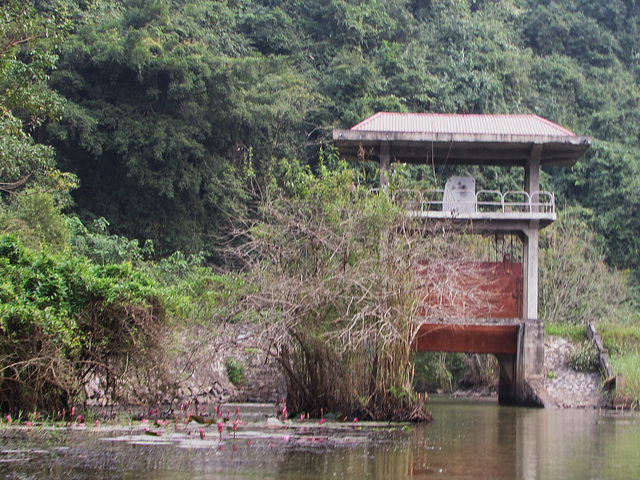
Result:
x=462 y=149
x=474 y=138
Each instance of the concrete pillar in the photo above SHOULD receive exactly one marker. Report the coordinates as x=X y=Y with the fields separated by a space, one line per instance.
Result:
x=532 y=170
x=385 y=160
x=534 y=347
x=530 y=274
x=534 y=331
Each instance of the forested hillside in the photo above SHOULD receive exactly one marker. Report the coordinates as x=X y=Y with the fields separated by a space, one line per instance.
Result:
x=144 y=141
x=173 y=108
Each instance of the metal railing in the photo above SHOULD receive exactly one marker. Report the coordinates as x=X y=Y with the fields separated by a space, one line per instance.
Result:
x=483 y=201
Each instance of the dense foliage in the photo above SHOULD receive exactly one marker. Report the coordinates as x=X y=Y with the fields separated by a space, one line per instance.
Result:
x=65 y=321
x=172 y=107
x=575 y=283
x=174 y=119
x=26 y=60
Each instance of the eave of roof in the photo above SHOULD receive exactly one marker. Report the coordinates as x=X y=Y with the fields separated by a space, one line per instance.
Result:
x=462 y=139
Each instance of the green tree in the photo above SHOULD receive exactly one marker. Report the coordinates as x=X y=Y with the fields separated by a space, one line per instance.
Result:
x=28 y=44
x=169 y=118
x=606 y=182
x=37 y=219
x=575 y=283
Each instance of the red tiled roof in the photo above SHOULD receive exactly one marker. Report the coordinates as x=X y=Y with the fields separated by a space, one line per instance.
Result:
x=440 y=123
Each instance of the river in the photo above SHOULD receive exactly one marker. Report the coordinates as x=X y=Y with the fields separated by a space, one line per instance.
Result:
x=467 y=440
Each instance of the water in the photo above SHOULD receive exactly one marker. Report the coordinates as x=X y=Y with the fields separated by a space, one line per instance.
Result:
x=467 y=440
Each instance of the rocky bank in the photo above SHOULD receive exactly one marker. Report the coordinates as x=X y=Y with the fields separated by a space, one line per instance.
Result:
x=563 y=387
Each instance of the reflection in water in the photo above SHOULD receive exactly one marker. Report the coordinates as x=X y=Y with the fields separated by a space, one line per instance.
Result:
x=467 y=440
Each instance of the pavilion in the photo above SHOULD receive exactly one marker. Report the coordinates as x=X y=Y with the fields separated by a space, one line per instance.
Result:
x=526 y=141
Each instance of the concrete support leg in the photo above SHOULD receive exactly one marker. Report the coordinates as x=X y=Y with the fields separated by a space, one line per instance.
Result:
x=534 y=332
x=534 y=347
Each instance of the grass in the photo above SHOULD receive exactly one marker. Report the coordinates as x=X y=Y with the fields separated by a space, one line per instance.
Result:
x=576 y=333
x=620 y=338
x=623 y=342
x=628 y=364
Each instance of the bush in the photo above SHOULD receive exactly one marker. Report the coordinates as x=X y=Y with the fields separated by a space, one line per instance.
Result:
x=235 y=371
x=65 y=320
x=585 y=358
x=101 y=247
x=336 y=290
x=36 y=219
